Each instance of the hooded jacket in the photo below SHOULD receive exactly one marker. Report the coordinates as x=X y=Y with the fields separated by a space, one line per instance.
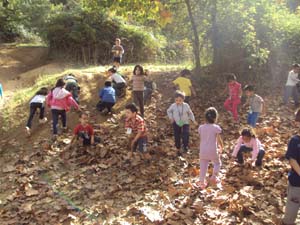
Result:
x=59 y=98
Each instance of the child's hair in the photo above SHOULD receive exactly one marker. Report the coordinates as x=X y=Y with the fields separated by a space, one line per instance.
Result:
x=83 y=113
x=118 y=39
x=249 y=88
x=107 y=83
x=113 y=70
x=185 y=72
x=248 y=132
x=141 y=69
x=60 y=83
x=132 y=107
x=179 y=94
x=211 y=115
x=296 y=65
x=42 y=91
x=230 y=77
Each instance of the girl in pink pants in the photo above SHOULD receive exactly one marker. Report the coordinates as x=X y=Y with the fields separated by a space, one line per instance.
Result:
x=210 y=140
x=234 y=99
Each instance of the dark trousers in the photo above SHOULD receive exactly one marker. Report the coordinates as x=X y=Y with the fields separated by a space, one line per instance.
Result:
x=33 y=107
x=181 y=133
x=105 y=105
x=119 y=88
x=141 y=145
x=55 y=115
x=138 y=99
x=86 y=139
x=243 y=149
x=73 y=88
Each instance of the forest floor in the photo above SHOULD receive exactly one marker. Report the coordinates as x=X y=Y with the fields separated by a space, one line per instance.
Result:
x=102 y=185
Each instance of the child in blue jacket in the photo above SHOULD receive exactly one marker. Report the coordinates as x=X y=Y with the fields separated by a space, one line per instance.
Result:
x=107 y=97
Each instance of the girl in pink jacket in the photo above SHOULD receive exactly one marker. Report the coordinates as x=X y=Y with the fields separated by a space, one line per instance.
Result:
x=248 y=142
x=60 y=101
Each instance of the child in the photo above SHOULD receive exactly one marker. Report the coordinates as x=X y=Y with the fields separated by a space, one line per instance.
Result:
x=84 y=132
x=135 y=127
x=150 y=86
x=118 y=52
x=248 y=142
x=108 y=98
x=119 y=83
x=293 y=193
x=180 y=114
x=210 y=139
x=72 y=86
x=290 y=86
x=37 y=102
x=138 y=85
x=60 y=101
x=185 y=85
x=234 y=99
x=256 y=103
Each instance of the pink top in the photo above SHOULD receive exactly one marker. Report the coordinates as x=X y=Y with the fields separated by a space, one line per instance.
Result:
x=234 y=89
x=254 y=143
x=61 y=99
x=208 y=141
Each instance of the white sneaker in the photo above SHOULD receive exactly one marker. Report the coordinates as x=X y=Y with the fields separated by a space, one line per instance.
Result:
x=44 y=120
x=28 y=130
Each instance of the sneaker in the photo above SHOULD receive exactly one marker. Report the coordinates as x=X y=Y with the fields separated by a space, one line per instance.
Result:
x=214 y=180
x=201 y=185
x=28 y=131
x=44 y=120
x=64 y=129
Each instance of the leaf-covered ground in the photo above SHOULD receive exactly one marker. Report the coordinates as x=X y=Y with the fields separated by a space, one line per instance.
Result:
x=102 y=186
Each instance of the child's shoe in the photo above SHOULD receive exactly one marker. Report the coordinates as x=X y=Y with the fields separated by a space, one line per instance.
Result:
x=28 y=131
x=201 y=185
x=214 y=180
x=64 y=129
x=44 y=120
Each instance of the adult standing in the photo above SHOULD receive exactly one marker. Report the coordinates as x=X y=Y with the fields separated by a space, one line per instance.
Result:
x=290 y=87
x=118 y=52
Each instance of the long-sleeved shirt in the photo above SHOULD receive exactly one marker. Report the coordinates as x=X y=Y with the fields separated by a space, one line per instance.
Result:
x=292 y=79
x=181 y=113
x=254 y=143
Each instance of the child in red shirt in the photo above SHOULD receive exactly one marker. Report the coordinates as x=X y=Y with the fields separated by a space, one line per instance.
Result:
x=84 y=132
x=234 y=99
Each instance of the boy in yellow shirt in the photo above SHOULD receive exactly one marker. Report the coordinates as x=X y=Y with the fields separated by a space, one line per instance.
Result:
x=184 y=84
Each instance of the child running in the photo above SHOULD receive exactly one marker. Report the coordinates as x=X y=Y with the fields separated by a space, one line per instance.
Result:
x=256 y=103
x=180 y=114
x=107 y=97
x=211 y=146
x=248 y=142
x=60 y=101
x=37 y=102
x=138 y=85
x=293 y=192
x=234 y=99
x=185 y=85
x=136 y=129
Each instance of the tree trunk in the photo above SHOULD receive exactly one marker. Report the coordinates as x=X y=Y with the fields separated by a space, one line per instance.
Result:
x=196 y=42
x=215 y=37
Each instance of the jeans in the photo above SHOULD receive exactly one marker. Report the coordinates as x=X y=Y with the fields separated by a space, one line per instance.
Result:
x=141 y=145
x=181 y=133
x=105 y=105
x=252 y=118
x=243 y=149
x=291 y=91
x=138 y=99
x=86 y=139
x=33 y=107
x=292 y=204
x=55 y=115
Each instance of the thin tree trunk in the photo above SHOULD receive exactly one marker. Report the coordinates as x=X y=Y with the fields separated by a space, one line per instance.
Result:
x=215 y=37
x=196 y=42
